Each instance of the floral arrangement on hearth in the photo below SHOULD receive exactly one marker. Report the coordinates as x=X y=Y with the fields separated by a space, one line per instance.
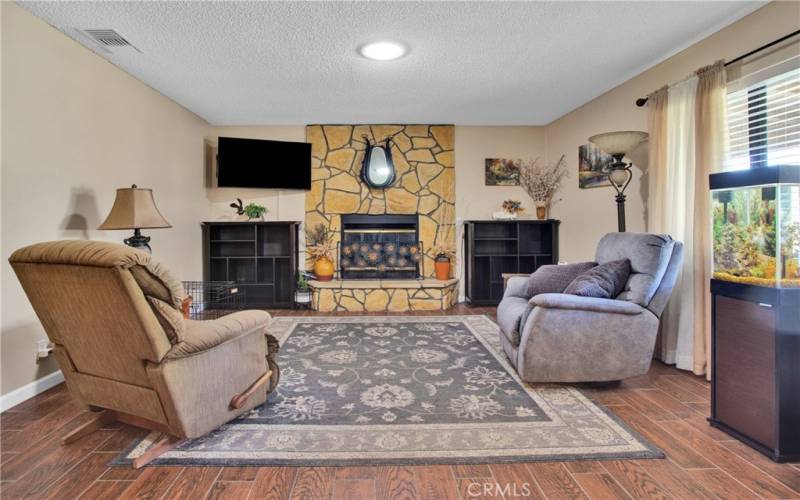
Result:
x=320 y=242
x=444 y=253
x=321 y=246
x=443 y=250
x=542 y=182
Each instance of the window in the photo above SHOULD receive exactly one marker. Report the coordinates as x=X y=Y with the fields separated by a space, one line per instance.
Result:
x=764 y=121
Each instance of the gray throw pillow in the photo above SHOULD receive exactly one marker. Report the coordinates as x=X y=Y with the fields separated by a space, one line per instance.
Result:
x=555 y=278
x=605 y=281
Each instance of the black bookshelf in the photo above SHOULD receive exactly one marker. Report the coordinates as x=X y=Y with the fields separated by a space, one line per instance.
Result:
x=493 y=248
x=261 y=257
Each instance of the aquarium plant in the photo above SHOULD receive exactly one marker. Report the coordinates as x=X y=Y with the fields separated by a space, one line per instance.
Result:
x=756 y=235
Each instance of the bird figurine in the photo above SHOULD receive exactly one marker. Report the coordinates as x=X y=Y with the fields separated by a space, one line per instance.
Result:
x=238 y=206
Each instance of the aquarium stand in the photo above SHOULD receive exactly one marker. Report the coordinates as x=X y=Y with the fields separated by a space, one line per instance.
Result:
x=755 y=374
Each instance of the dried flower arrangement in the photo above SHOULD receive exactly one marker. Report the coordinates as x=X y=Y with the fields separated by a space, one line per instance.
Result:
x=542 y=181
x=442 y=250
x=320 y=242
x=513 y=206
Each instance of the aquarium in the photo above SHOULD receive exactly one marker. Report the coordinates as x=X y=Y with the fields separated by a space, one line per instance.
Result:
x=756 y=228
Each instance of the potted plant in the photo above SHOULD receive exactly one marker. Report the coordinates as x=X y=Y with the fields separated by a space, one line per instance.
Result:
x=321 y=247
x=441 y=264
x=302 y=294
x=541 y=182
x=254 y=211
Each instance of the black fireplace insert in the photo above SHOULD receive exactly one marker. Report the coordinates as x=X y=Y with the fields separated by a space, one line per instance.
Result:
x=380 y=247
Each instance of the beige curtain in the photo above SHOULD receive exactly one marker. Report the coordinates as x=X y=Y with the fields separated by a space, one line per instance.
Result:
x=687 y=138
x=657 y=128
x=656 y=176
x=710 y=134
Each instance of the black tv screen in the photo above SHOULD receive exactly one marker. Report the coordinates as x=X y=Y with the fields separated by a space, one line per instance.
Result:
x=253 y=163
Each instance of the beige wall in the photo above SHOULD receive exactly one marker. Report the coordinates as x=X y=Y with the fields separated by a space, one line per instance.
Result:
x=476 y=200
x=75 y=129
x=591 y=213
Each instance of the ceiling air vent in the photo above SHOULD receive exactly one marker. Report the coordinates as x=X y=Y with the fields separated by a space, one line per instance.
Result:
x=109 y=38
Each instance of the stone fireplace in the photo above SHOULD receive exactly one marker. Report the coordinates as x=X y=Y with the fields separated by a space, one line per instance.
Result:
x=422 y=197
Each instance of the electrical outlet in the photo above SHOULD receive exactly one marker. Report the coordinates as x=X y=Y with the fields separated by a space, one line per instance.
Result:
x=43 y=349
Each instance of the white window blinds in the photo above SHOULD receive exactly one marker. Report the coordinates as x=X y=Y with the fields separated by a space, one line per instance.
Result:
x=764 y=121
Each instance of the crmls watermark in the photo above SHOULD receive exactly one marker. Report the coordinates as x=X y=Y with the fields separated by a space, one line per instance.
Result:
x=507 y=490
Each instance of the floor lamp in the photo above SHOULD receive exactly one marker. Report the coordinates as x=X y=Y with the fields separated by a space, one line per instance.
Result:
x=619 y=145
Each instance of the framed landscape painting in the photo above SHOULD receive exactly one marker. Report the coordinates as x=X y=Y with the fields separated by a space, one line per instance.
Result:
x=502 y=172
x=592 y=166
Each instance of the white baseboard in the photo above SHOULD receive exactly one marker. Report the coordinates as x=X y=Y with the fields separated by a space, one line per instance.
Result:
x=28 y=391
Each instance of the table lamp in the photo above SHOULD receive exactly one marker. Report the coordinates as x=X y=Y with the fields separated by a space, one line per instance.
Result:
x=134 y=208
x=619 y=145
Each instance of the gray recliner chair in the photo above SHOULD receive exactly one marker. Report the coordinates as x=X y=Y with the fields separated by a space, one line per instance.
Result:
x=555 y=337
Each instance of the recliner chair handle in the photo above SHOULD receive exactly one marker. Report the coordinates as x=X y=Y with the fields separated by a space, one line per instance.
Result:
x=240 y=400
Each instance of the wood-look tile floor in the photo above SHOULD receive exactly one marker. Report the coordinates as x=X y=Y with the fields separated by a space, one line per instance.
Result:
x=667 y=406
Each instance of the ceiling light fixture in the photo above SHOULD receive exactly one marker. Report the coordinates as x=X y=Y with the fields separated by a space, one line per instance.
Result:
x=383 y=51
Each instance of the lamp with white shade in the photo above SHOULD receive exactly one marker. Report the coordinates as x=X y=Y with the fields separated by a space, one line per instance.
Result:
x=134 y=208
x=619 y=145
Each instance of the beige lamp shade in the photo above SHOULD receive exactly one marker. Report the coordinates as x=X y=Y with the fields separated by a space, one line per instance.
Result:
x=134 y=208
x=618 y=143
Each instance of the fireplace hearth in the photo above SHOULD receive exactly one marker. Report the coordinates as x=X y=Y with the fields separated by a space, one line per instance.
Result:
x=380 y=247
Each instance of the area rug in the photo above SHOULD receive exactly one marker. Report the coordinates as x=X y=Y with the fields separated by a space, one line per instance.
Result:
x=405 y=390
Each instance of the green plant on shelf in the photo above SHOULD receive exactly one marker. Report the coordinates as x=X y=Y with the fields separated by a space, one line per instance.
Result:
x=254 y=211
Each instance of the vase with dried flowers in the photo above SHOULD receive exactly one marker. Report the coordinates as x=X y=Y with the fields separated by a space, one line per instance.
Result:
x=444 y=254
x=541 y=182
x=320 y=246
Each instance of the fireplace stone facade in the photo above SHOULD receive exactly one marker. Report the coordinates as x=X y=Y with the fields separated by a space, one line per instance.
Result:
x=383 y=295
x=424 y=158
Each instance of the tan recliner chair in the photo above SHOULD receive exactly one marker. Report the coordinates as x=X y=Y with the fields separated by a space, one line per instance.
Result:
x=126 y=351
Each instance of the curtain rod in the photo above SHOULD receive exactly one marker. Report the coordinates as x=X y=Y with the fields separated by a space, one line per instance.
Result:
x=643 y=100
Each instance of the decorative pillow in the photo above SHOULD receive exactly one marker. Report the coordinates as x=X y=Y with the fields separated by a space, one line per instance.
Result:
x=555 y=278
x=605 y=281
x=170 y=318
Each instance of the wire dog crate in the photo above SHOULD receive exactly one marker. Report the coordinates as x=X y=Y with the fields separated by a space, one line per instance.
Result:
x=213 y=299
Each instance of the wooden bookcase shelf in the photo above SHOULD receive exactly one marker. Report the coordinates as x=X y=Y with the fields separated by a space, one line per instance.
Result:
x=493 y=248
x=259 y=256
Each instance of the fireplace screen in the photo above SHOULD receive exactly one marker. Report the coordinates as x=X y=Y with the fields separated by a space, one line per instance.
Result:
x=380 y=246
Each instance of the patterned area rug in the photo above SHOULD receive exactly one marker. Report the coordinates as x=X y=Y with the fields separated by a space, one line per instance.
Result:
x=405 y=390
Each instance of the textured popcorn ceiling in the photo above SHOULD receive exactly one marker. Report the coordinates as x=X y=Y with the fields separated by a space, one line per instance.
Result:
x=489 y=63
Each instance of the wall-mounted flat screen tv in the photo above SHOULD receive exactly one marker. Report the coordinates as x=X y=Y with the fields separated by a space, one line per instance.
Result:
x=253 y=163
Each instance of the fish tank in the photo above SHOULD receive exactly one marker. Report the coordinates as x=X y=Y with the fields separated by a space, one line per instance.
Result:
x=756 y=226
